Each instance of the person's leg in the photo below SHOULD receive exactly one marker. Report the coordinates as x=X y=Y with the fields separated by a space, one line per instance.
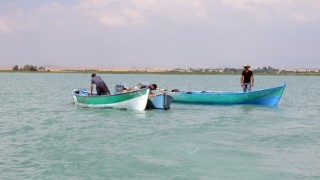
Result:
x=99 y=92
x=244 y=87
x=249 y=87
x=104 y=89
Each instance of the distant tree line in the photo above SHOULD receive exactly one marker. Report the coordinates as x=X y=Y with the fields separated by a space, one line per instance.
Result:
x=29 y=68
x=266 y=70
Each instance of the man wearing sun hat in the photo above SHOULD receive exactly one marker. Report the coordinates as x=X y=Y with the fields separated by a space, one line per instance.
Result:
x=247 y=80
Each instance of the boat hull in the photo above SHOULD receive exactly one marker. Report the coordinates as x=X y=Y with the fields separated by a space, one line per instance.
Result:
x=133 y=100
x=159 y=101
x=270 y=97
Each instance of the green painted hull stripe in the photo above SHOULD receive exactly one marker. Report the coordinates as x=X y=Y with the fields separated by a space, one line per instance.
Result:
x=110 y=99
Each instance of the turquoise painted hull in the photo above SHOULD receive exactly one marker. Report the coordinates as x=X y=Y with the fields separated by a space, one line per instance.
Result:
x=159 y=101
x=269 y=97
x=133 y=100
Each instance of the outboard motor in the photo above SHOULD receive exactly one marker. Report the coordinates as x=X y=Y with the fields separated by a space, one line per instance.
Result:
x=119 y=88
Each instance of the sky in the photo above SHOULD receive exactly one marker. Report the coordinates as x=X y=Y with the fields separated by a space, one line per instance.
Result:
x=160 y=33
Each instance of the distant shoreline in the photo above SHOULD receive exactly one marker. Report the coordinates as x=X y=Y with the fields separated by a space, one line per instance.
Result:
x=174 y=71
x=163 y=73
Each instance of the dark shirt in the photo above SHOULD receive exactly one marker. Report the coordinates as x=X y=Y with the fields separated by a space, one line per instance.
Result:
x=96 y=80
x=247 y=76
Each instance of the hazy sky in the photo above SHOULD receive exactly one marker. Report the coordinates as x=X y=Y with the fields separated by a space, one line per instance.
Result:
x=160 y=33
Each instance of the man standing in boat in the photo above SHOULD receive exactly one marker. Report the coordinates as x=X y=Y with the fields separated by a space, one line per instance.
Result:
x=247 y=80
x=101 y=87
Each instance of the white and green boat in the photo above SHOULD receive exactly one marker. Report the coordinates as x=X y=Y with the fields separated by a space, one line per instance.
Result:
x=133 y=100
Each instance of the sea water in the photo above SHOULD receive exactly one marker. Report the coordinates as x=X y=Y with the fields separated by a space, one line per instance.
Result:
x=43 y=135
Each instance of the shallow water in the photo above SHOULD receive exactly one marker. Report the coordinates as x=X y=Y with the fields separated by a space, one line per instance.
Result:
x=43 y=135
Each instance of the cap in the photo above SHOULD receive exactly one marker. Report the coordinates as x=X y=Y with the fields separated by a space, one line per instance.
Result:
x=247 y=65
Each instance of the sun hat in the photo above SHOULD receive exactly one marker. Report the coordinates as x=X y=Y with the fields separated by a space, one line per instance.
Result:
x=247 y=65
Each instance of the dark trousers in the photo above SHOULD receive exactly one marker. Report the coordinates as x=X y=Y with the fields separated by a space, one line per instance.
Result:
x=102 y=89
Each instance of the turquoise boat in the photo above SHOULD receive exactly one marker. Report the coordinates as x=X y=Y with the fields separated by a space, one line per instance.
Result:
x=159 y=101
x=269 y=97
x=133 y=100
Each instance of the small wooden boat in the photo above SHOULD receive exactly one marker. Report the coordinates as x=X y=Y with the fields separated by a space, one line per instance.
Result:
x=269 y=96
x=133 y=100
x=160 y=100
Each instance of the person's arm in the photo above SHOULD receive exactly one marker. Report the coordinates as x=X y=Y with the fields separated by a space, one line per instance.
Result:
x=91 y=88
x=252 y=81
x=241 y=80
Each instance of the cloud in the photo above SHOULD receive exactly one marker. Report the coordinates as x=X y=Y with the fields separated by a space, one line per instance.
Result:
x=248 y=4
x=4 y=26
x=51 y=8
x=162 y=13
x=11 y=22
x=142 y=12
x=109 y=13
x=178 y=11
x=16 y=16
x=54 y=14
x=275 y=10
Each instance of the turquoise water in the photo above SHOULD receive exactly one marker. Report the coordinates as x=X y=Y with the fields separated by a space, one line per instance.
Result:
x=43 y=135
